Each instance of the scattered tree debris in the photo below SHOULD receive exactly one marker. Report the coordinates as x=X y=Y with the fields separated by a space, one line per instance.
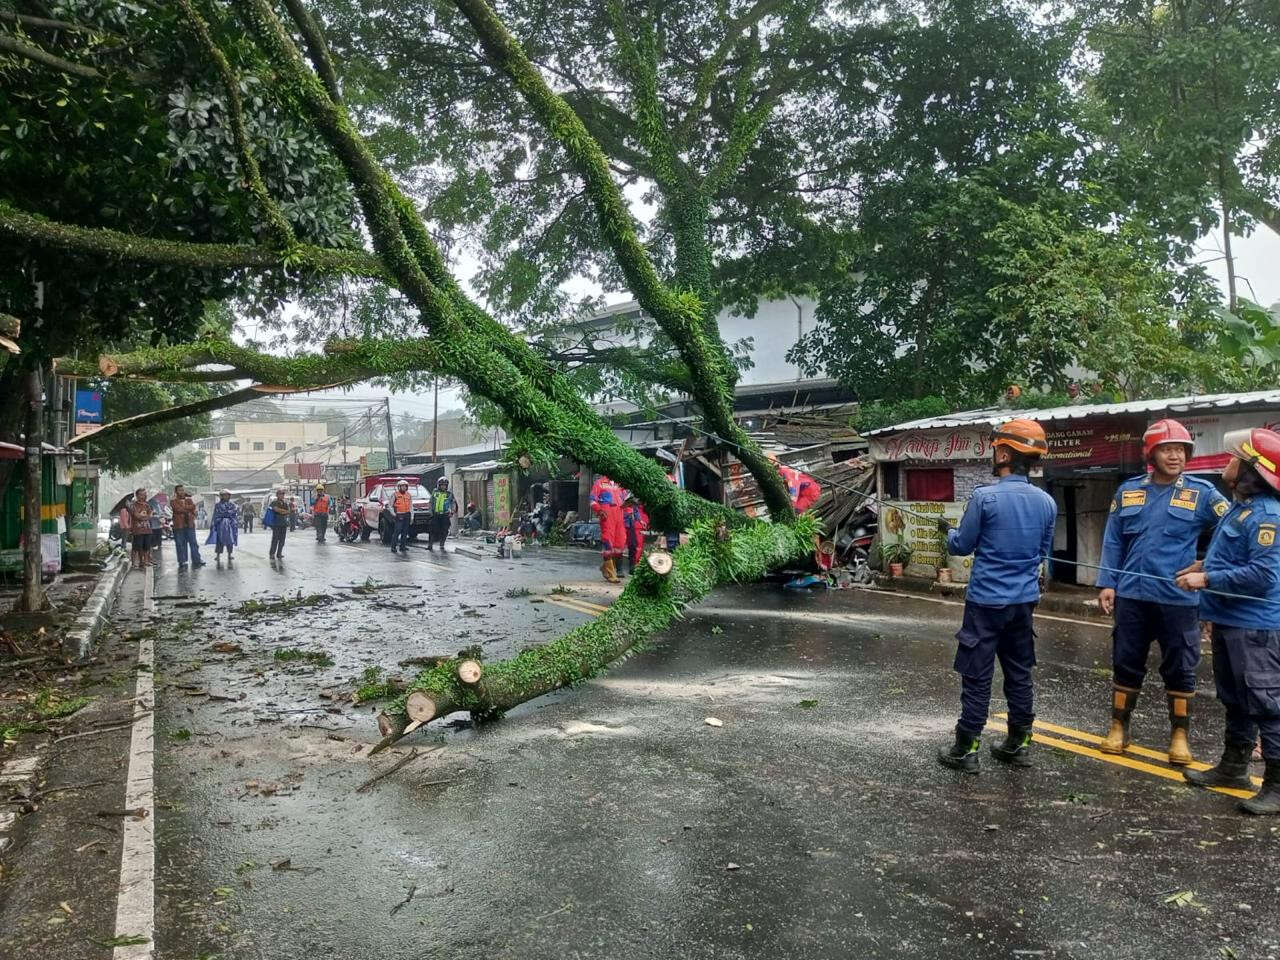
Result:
x=398 y=765
x=405 y=902
x=264 y=607
x=316 y=658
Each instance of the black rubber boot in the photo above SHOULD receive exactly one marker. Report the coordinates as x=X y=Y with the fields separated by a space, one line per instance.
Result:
x=961 y=755
x=1232 y=770
x=1016 y=749
x=1267 y=800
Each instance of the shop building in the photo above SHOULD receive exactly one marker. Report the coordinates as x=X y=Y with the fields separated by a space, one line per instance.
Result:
x=929 y=467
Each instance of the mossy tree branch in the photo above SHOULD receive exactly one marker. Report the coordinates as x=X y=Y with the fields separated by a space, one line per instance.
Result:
x=679 y=314
x=278 y=226
x=35 y=54
x=21 y=226
x=317 y=47
x=640 y=60
x=714 y=556
x=473 y=348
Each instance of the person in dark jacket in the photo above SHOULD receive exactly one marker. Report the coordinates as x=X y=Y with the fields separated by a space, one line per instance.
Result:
x=1008 y=527
x=276 y=517
x=184 y=528
x=443 y=507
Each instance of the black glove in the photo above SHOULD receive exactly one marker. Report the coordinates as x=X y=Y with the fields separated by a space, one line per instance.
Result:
x=944 y=526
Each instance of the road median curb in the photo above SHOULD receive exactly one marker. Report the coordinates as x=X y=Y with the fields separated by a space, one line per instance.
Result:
x=78 y=641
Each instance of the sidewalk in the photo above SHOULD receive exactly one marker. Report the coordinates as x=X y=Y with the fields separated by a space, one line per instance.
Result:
x=1058 y=597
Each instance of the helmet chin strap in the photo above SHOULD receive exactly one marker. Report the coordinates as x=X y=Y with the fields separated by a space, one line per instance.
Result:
x=1000 y=467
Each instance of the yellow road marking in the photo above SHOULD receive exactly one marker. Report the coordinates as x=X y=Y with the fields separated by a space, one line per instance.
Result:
x=578 y=606
x=1168 y=773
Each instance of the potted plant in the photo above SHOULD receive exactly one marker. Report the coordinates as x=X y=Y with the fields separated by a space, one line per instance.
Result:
x=944 y=560
x=895 y=556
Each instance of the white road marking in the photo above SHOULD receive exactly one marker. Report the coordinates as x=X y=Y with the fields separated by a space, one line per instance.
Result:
x=136 y=903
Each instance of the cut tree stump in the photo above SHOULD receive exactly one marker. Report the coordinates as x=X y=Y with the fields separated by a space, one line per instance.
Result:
x=419 y=707
x=469 y=672
x=659 y=562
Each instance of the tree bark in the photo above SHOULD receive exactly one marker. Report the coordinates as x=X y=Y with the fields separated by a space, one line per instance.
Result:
x=33 y=598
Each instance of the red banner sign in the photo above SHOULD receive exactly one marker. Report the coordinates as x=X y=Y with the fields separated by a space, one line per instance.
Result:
x=1096 y=443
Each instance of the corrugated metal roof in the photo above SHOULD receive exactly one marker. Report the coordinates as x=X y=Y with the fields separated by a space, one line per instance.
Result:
x=990 y=416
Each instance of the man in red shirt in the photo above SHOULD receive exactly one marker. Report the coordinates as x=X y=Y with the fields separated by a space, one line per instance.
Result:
x=184 y=528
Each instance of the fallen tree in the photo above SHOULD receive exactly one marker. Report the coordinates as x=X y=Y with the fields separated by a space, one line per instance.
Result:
x=539 y=406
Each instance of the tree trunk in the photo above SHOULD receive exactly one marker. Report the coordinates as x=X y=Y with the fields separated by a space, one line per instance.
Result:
x=32 y=588
x=1231 y=260
x=714 y=556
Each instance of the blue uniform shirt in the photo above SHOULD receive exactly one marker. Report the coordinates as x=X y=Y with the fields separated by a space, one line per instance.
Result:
x=1243 y=558
x=1008 y=527
x=1153 y=529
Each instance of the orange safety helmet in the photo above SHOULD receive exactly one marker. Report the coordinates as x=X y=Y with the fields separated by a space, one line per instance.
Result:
x=1025 y=436
x=1259 y=447
x=1166 y=431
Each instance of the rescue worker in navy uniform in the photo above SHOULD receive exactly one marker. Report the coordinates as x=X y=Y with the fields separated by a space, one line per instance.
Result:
x=1155 y=522
x=1244 y=559
x=1008 y=527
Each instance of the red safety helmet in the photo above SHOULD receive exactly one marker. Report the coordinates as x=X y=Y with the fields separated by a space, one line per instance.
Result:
x=1259 y=447
x=1025 y=436
x=1166 y=431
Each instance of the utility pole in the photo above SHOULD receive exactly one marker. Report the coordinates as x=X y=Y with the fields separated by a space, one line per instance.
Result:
x=391 y=438
x=32 y=589
x=435 y=417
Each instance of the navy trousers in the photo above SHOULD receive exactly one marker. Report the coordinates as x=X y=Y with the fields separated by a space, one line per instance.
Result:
x=1246 y=669
x=1175 y=628
x=988 y=634
x=400 y=532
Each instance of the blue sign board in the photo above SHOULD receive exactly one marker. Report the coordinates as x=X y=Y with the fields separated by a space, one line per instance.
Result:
x=88 y=406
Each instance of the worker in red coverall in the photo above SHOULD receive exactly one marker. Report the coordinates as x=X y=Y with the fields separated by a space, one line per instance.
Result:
x=804 y=490
x=636 y=522
x=606 y=503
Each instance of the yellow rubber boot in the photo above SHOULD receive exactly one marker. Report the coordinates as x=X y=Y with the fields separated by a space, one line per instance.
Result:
x=1180 y=722
x=1123 y=700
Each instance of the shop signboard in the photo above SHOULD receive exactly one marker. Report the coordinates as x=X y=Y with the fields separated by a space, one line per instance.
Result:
x=1095 y=443
x=915 y=524
x=931 y=446
x=502 y=499
x=89 y=406
x=1090 y=442
x=1209 y=432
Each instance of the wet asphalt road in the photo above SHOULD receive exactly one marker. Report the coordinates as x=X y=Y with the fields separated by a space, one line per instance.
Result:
x=611 y=821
